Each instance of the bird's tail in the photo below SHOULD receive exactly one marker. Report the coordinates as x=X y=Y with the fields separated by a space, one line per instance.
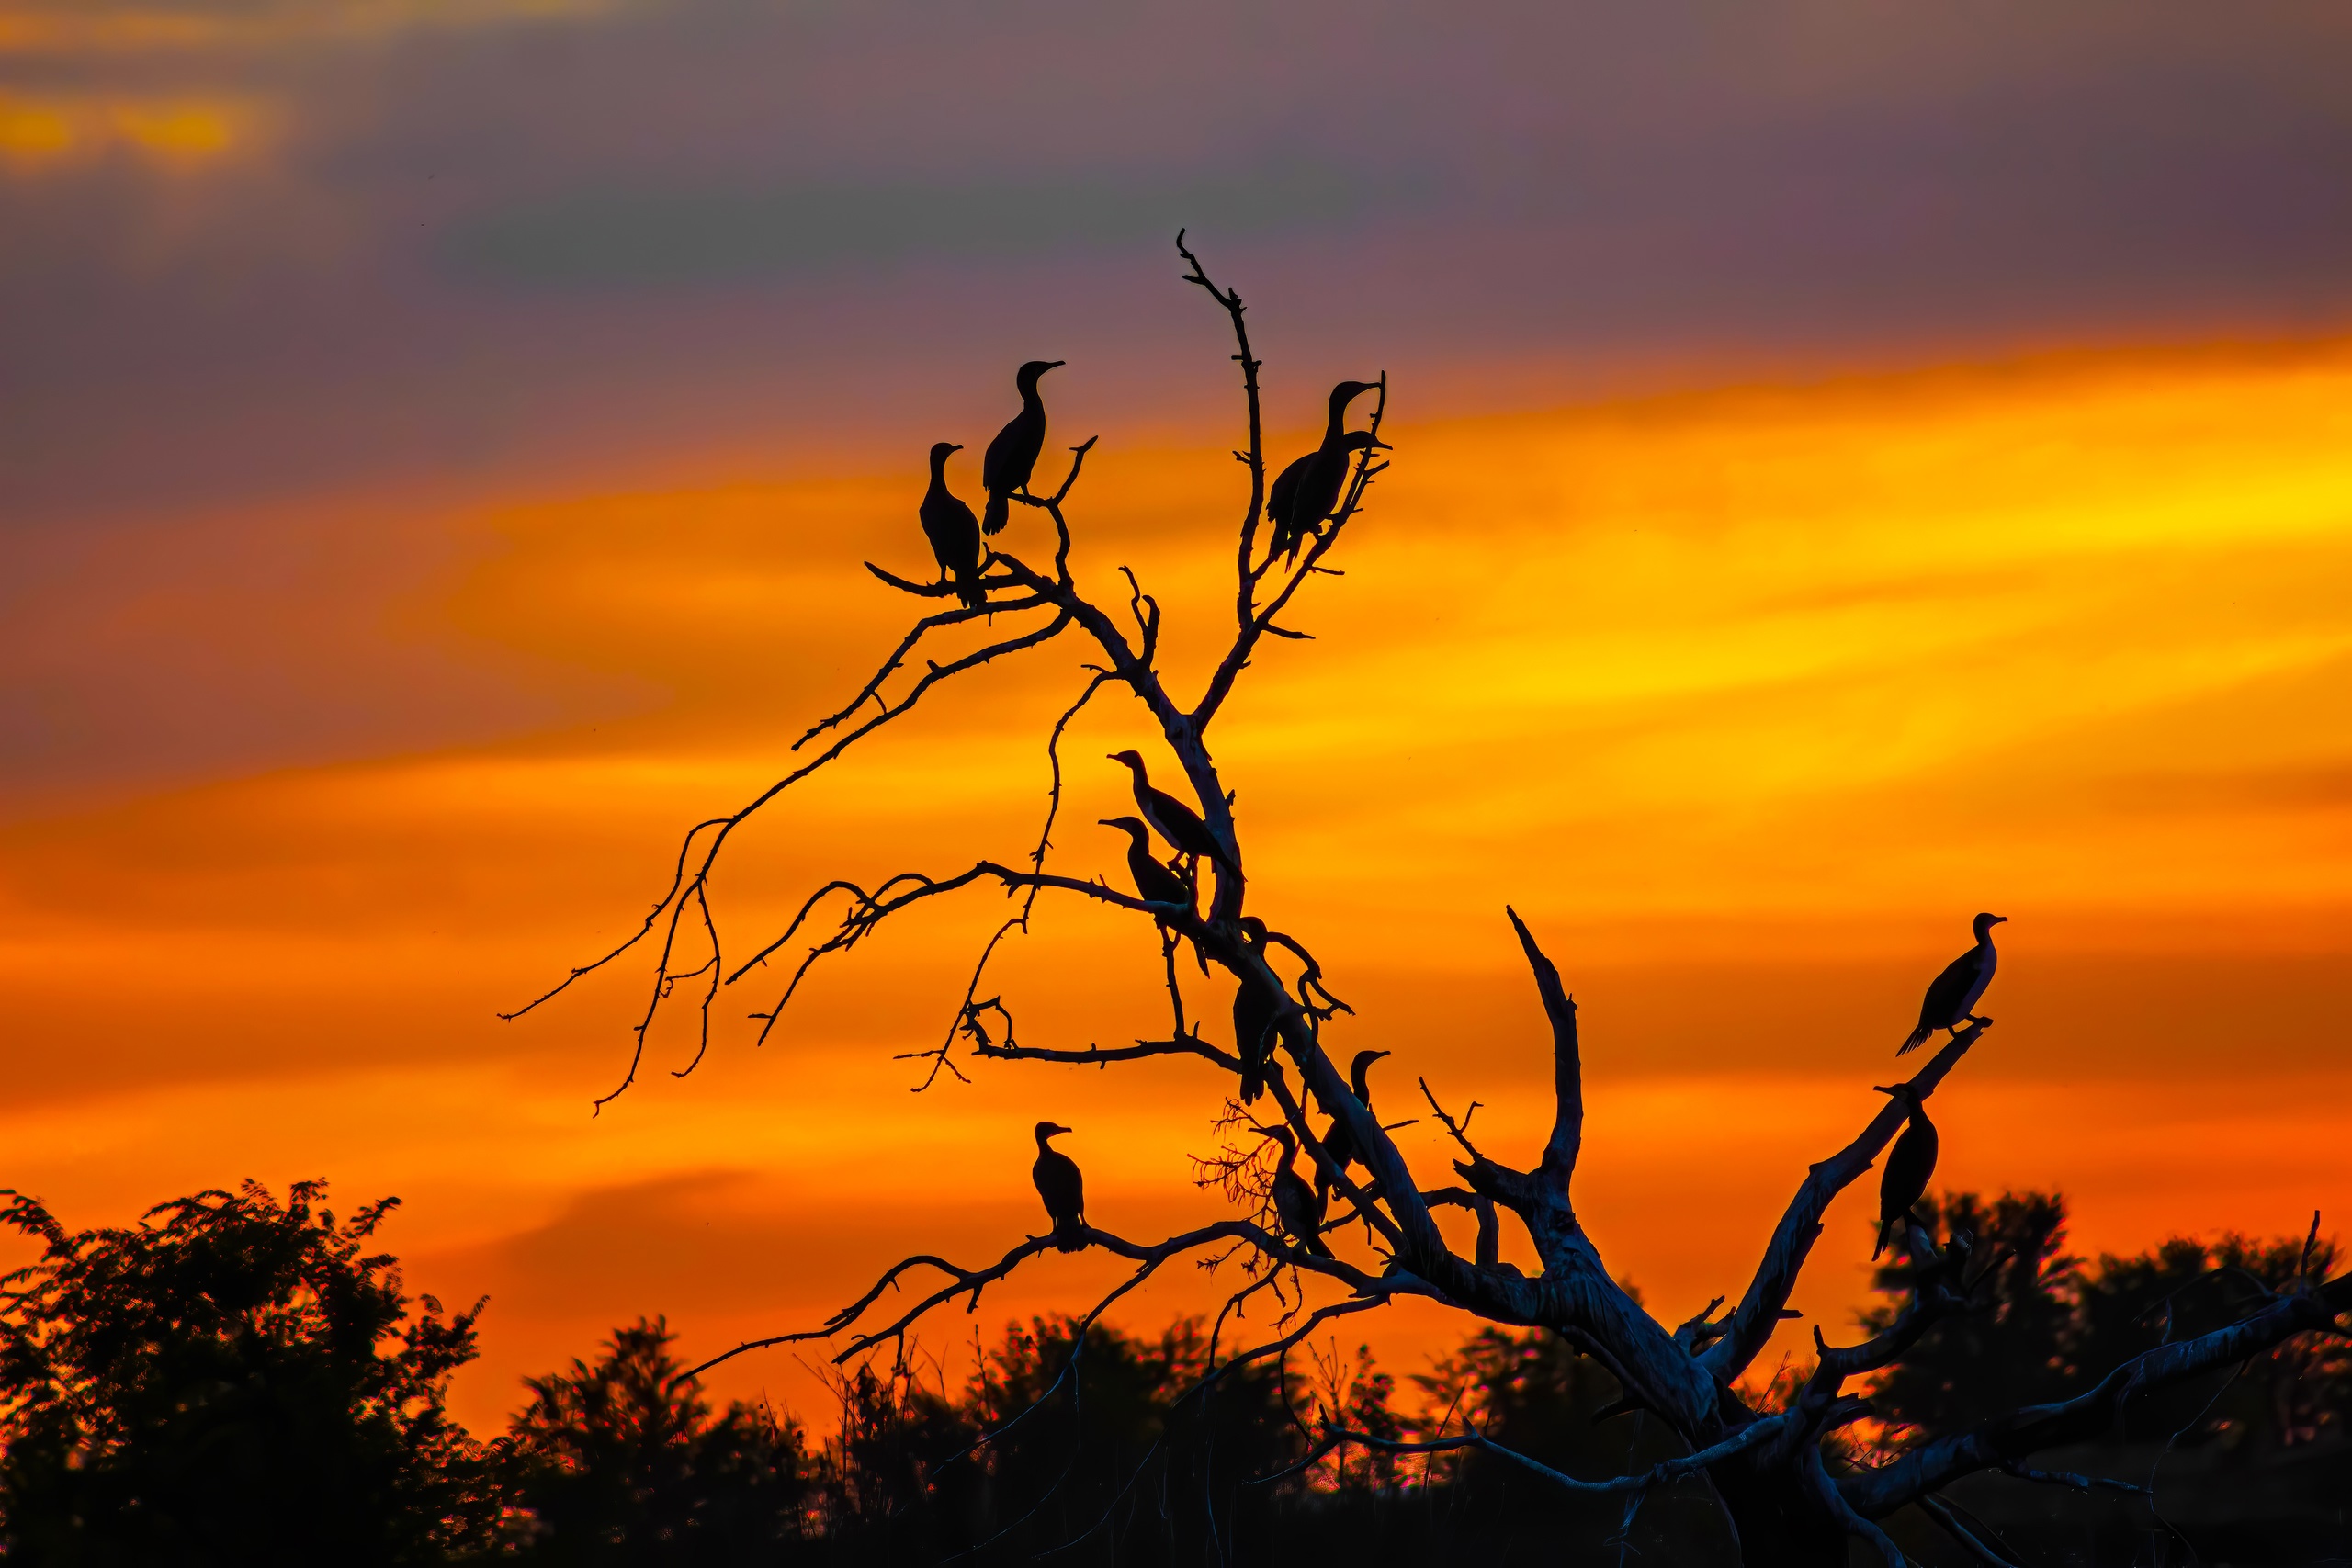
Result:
x=1918 y=1038
x=997 y=512
x=1886 y=1232
x=968 y=589
x=1069 y=1235
x=1253 y=1081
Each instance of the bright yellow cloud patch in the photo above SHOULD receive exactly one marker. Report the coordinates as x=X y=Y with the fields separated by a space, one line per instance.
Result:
x=169 y=132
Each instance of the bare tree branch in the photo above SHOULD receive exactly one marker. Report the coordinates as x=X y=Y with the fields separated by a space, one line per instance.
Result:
x=1666 y=1471
x=1759 y=1312
x=1559 y=1163
x=1149 y=1256
x=1103 y=1055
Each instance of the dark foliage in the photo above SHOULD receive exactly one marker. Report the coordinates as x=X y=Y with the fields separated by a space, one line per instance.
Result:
x=234 y=1381
x=2051 y=1326
x=1094 y=1450
x=624 y=1463
x=2243 y=1465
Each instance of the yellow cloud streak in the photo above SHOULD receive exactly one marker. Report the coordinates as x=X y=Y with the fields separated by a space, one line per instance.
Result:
x=172 y=132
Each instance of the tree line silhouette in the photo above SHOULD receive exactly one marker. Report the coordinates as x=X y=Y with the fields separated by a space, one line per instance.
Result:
x=237 y=1380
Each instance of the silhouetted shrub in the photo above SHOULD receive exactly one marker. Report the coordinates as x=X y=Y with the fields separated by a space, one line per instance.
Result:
x=623 y=1462
x=231 y=1382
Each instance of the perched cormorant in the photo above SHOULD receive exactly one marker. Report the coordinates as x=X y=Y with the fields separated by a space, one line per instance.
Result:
x=954 y=532
x=1951 y=999
x=1011 y=457
x=1307 y=491
x=1171 y=818
x=1295 y=1204
x=1337 y=1141
x=1254 y=1017
x=1155 y=883
x=1306 y=494
x=1064 y=1191
x=1913 y=1161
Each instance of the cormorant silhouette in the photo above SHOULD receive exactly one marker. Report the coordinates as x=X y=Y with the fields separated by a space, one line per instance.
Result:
x=1306 y=494
x=1951 y=999
x=1337 y=1141
x=1155 y=883
x=1062 y=1188
x=1254 y=1019
x=1295 y=1204
x=1909 y=1168
x=1011 y=457
x=954 y=532
x=1171 y=818
x=1307 y=491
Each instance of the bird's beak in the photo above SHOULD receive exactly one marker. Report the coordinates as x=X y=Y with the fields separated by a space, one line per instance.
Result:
x=1380 y=446
x=1059 y=1130
x=2000 y=920
x=1108 y=821
x=1055 y=364
x=955 y=446
x=1378 y=1055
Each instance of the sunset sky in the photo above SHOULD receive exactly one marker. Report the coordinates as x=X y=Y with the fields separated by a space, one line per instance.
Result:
x=1854 y=467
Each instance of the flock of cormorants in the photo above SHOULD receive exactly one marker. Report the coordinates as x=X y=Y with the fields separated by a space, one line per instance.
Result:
x=1950 y=1005
x=1303 y=497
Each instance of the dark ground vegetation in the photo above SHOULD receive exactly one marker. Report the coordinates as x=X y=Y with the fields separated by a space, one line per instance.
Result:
x=240 y=1381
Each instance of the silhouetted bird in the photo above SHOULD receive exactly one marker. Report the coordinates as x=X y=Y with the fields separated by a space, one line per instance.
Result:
x=1011 y=457
x=1155 y=883
x=1951 y=999
x=1307 y=491
x=1295 y=1204
x=1064 y=1191
x=1337 y=1141
x=1254 y=1016
x=954 y=532
x=1313 y=495
x=1908 y=1168
x=1171 y=818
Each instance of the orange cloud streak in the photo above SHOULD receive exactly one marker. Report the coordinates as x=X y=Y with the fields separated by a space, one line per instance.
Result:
x=1747 y=700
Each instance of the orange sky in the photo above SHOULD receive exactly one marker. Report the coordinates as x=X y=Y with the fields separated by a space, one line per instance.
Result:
x=1746 y=699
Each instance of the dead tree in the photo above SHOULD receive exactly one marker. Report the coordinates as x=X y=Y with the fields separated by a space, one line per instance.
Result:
x=1767 y=1467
